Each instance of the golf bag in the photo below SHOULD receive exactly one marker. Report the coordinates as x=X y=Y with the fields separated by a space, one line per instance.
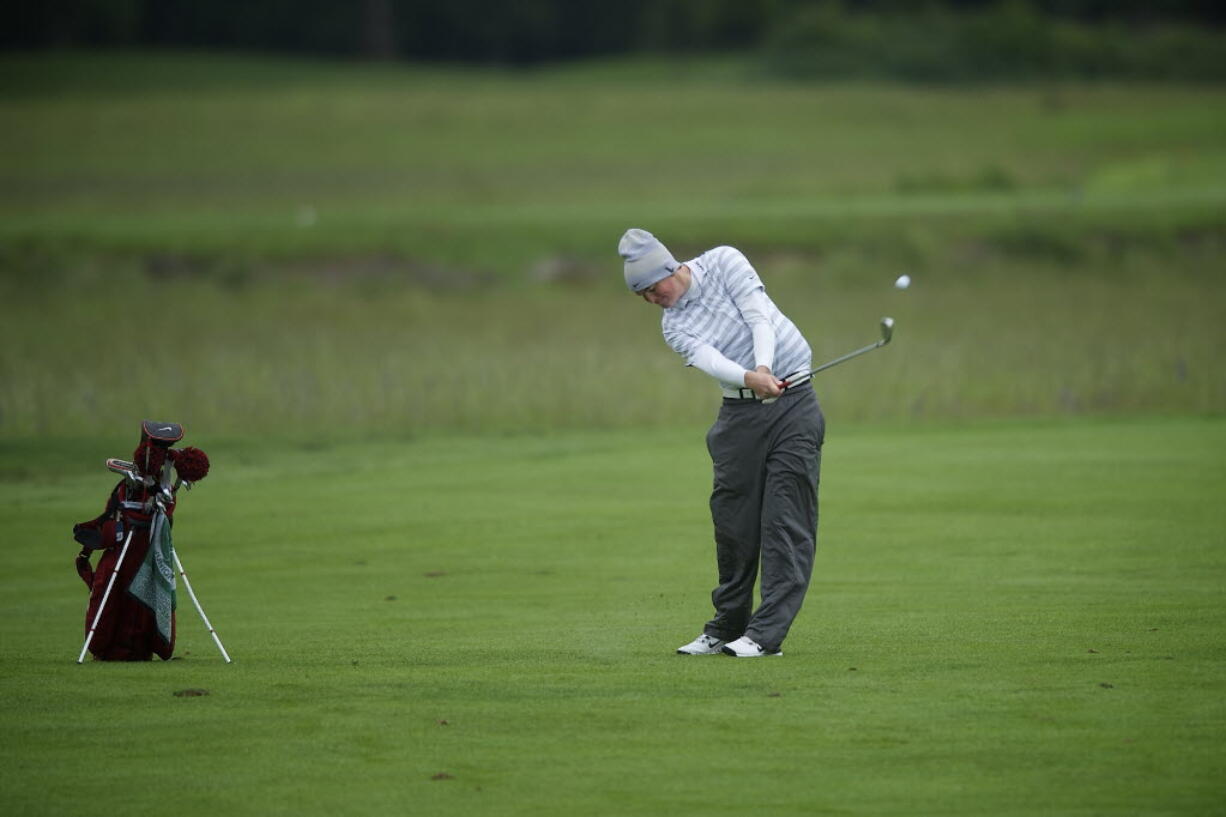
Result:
x=131 y=612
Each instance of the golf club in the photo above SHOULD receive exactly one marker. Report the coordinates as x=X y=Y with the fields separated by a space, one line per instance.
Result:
x=801 y=377
x=129 y=471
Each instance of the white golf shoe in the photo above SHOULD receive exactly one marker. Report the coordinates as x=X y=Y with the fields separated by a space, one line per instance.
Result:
x=747 y=648
x=703 y=645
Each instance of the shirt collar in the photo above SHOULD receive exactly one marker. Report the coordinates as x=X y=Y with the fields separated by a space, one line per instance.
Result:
x=696 y=276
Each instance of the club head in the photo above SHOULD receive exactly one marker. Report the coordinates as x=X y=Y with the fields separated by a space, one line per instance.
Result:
x=887 y=330
x=121 y=466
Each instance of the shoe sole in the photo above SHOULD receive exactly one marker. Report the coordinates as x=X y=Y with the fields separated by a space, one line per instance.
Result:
x=735 y=654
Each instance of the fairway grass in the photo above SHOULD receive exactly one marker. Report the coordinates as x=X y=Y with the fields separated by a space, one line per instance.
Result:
x=1005 y=619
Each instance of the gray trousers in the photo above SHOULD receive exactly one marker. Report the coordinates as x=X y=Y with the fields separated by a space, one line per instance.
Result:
x=767 y=462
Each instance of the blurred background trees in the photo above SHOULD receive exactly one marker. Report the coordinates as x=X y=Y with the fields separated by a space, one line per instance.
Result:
x=941 y=41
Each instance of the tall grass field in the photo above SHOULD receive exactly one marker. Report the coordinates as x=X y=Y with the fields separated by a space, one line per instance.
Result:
x=305 y=246
x=456 y=523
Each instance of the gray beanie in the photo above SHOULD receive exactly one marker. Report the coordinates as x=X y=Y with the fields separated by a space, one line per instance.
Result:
x=647 y=260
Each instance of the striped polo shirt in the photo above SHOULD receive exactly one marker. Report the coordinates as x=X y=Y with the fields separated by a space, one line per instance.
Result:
x=708 y=314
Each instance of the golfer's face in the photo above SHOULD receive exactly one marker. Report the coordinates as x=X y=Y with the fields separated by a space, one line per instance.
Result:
x=664 y=293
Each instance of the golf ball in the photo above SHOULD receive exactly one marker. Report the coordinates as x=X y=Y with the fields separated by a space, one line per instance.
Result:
x=903 y=282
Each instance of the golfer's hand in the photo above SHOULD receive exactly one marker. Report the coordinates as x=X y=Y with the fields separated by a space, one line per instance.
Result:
x=763 y=383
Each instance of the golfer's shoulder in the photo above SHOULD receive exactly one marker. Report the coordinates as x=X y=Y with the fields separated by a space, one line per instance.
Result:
x=670 y=321
x=733 y=270
x=676 y=332
x=726 y=262
x=677 y=324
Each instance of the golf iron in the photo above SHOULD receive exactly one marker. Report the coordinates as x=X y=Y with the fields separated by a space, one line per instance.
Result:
x=802 y=377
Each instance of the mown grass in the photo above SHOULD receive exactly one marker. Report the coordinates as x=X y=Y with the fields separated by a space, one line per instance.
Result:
x=1006 y=618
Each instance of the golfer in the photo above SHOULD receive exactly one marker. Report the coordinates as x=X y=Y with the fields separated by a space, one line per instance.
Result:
x=765 y=446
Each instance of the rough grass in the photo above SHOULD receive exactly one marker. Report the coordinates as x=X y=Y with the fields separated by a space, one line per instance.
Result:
x=1005 y=619
x=238 y=242
x=985 y=335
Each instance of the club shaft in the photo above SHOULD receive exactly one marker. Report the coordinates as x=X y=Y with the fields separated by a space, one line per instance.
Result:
x=847 y=356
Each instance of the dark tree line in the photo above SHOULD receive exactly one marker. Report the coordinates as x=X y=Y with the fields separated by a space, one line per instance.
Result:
x=513 y=32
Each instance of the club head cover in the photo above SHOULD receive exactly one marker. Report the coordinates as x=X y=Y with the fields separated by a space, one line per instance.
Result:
x=149 y=458
x=192 y=464
x=161 y=434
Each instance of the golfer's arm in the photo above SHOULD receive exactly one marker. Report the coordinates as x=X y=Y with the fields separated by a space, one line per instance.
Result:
x=708 y=359
x=754 y=310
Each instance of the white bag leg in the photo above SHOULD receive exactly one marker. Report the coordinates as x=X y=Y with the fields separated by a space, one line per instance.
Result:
x=106 y=595
x=199 y=609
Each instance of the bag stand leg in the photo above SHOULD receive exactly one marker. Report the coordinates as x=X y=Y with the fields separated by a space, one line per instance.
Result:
x=199 y=609
x=106 y=595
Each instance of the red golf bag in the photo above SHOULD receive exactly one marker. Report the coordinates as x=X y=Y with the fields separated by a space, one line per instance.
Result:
x=132 y=586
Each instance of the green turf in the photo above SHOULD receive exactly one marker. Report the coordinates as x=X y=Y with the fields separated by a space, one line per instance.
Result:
x=1006 y=618
x=1016 y=617
x=501 y=172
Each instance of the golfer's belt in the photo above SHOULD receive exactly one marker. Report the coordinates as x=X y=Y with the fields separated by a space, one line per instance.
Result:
x=748 y=394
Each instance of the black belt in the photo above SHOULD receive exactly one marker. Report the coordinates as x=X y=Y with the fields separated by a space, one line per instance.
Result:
x=747 y=395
